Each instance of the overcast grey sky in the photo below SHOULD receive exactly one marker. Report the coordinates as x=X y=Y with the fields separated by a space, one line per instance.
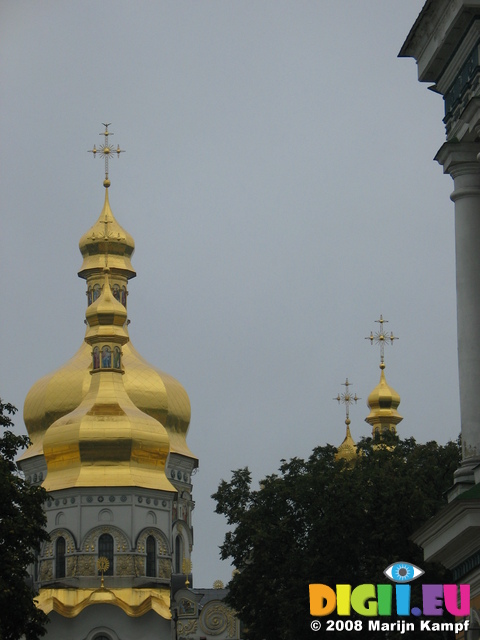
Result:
x=280 y=187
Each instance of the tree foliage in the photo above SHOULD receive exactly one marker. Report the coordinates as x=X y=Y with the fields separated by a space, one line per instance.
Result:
x=22 y=522
x=322 y=521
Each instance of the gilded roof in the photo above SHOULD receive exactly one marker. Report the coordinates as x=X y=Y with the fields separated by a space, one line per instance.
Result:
x=348 y=449
x=106 y=237
x=383 y=402
x=147 y=394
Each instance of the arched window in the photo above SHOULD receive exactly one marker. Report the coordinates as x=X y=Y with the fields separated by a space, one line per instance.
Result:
x=105 y=550
x=178 y=554
x=96 y=292
x=151 y=556
x=60 y=558
x=116 y=292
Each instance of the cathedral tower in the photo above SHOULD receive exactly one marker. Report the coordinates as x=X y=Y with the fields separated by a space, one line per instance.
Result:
x=108 y=435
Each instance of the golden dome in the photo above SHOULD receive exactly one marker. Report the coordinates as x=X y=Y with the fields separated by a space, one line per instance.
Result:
x=151 y=390
x=106 y=440
x=106 y=316
x=348 y=449
x=106 y=237
x=383 y=403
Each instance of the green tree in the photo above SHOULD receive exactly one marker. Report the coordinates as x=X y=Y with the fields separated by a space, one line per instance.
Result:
x=22 y=522
x=322 y=521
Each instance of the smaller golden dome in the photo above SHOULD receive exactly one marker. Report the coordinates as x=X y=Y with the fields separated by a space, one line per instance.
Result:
x=383 y=402
x=106 y=316
x=348 y=449
x=107 y=238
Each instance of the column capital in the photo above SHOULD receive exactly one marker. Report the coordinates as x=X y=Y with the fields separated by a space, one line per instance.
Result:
x=459 y=158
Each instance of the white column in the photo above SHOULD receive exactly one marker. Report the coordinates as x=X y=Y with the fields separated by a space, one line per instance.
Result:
x=460 y=161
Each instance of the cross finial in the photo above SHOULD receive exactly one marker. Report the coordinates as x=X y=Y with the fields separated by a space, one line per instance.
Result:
x=381 y=338
x=186 y=570
x=106 y=151
x=347 y=399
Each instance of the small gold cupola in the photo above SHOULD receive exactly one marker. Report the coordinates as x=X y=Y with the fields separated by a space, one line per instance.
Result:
x=348 y=449
x=383 y=401
x=106 y=237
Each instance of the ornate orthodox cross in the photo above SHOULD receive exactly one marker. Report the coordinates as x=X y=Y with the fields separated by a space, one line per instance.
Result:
x=347 y=399
x=106 y=151
x=380 y=337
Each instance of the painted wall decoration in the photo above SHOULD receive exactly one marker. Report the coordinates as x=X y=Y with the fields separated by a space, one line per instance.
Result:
x=106 y=357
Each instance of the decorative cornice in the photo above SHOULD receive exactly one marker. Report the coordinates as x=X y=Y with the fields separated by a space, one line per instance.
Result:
x=466 y=566
x=459 y=158
x=134 y=602
x=429 y=34
x=451 y=537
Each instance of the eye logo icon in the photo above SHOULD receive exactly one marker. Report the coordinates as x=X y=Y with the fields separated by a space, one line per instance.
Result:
x=403 y=572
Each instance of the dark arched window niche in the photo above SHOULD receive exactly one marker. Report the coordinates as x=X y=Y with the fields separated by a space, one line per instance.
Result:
x=178 y=554
x=60 y=557
x=102 y=633
x=105 y=550
x=151 y=556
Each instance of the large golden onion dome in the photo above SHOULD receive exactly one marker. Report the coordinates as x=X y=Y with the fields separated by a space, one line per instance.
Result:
x=151 y=390
x=383 y=402
x=106 y=440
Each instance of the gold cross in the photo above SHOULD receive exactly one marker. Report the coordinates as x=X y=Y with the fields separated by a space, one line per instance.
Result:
x=103 y=565
x=381 y=338
x=347 y=399
x=106 y=151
